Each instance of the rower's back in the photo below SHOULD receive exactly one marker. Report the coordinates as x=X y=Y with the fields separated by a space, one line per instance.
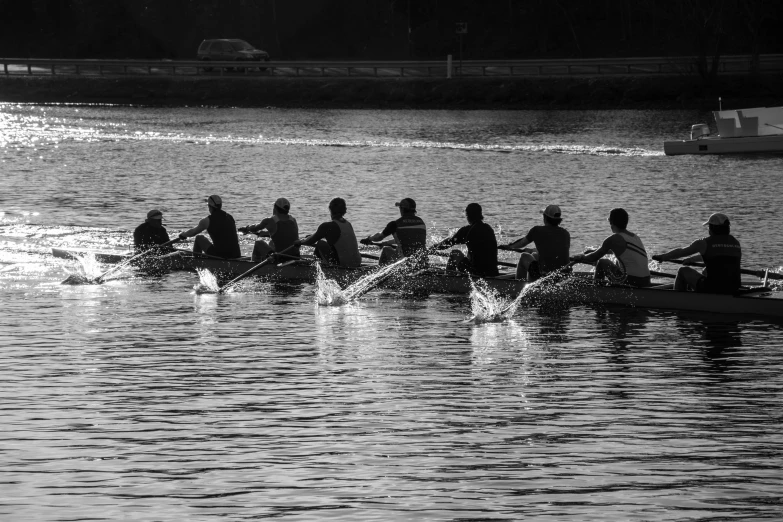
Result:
x=223 y=231
x=482 y=249
x=553 y=243
x=346 y=248
x=286 y=232
x=722 y=258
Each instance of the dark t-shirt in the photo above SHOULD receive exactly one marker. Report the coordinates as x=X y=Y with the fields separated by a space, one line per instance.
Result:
x=553 y=244
x=482 y=248
x=146 y=236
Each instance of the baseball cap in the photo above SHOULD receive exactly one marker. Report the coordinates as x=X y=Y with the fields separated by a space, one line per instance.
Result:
x=282 y=203
x=214 y=201
x=552 y=211
x=155 y=214
x=406 y=203
x=717 y=219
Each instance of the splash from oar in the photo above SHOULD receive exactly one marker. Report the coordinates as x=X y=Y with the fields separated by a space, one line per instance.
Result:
x=486 y=304
x=89 y=268
x=547 y=285
x=207 y=282
x=327 y=291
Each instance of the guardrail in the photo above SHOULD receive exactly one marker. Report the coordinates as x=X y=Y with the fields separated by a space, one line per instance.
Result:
x=582 y=67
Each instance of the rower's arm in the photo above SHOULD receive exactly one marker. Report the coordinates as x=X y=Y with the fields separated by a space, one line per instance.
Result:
x=260 y=229
x=319 y=234
x=202 y=225
x=695 y=249
x=595 y=255
x=519 y=243
x=390 y=229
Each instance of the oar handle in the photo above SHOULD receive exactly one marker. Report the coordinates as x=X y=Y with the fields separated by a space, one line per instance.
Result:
x=250 y=271
x=125 y=263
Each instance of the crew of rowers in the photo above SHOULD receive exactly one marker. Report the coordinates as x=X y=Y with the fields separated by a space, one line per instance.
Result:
x=335 y=242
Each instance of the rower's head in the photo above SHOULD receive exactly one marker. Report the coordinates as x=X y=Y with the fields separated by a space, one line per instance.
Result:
x=718 y=224
x=552 y=215
x=155 y=218
x=282 y=206
x=407 y=206
x=337 y=207
x=618 y=218
x=215 y=202
x=473 y=213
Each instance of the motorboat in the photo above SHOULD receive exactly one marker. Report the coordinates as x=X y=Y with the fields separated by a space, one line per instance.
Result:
x=742 y=131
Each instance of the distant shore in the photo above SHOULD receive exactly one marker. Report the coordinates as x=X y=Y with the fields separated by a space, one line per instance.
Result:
x=605 y=92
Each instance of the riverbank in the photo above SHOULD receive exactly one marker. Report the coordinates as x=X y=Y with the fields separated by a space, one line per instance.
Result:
x=606 y=92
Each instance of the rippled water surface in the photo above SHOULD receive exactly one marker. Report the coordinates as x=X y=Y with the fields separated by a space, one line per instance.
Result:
x=141 y=399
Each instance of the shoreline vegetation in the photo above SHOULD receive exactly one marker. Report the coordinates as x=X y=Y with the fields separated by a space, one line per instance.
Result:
x=500 y=93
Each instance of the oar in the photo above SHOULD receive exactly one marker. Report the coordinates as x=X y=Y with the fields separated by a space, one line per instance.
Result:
x=758 y=273
x=248 y=272
x=500 y=263
x=100 y=278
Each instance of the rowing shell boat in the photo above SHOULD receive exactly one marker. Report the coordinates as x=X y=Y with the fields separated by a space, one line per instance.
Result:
x=753 y=301
x=290 y=271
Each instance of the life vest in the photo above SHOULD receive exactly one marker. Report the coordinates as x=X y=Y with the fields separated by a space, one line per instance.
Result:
x=223 y=231
x=634 y=259
x=286 y=233
x=411 y=234
x=347 y=248
x=722 y=261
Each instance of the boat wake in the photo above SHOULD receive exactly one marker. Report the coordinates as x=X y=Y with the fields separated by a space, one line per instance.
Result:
x=33 y=130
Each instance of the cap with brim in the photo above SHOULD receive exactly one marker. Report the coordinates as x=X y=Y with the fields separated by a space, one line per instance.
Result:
x=282 y=203
x=155 y=214
x=717 y=219
x=552 y=211
x=214 y=201
x=406 y=203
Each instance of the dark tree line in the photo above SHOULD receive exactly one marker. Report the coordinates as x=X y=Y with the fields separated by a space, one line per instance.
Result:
x=394 y=29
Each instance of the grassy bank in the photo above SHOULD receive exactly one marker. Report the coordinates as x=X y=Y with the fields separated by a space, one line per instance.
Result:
x=615 y=92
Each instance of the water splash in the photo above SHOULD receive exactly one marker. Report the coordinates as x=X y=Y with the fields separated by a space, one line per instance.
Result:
x=486 y=304
x=86 y=271
x=207 y=282
x=327 y=291
x=549 y=291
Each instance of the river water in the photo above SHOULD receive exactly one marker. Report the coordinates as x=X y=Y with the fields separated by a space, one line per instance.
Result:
x=140 y=399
